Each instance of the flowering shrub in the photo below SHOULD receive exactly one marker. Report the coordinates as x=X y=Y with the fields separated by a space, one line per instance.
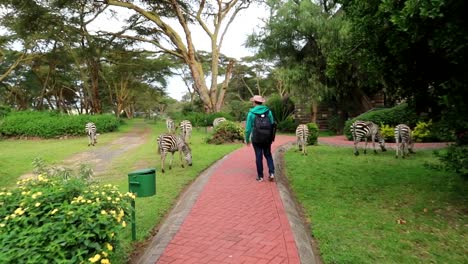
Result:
x=227 y=132
x=422 y=131
x=387 y=132
x=54 y=220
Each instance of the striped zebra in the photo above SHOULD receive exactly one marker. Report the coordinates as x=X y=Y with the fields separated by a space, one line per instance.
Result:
x=186 y=130
x=302 y=133
x=218 y=121
x=404 y=141
x=365 y=130
x=90 y=129
x=172 y=143
x=170 y=125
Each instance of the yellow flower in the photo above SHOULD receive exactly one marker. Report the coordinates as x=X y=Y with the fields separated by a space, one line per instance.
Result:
x=37 y=204
x=54 y=211
x=105 y=254
x=2 y=225
x=109 y=246
x=103 y=212
x=105 y=261
x=124 y=224
x=19 y=211
x=95 y=258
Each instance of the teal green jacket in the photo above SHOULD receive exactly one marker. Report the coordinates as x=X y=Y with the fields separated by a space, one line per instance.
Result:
x=258 y=109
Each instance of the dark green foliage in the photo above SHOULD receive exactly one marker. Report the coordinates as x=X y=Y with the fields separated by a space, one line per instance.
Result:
x=454 y=159
x=282 y=108
x=288 y=125
x=227 y=132
x=4 y=111
x=239 y=109
x=313 y=133
x=53 y=124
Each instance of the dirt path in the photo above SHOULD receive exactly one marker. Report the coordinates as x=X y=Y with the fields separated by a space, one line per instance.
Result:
x=100 y=157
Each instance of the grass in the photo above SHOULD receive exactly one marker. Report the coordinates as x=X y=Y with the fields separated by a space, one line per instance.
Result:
x=17 y=156
x=377 y=209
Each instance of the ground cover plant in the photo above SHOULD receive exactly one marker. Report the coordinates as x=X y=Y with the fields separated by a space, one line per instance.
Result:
x=56 y=220
x=377 y=209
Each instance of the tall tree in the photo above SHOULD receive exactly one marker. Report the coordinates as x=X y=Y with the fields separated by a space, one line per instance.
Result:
x=213 y=17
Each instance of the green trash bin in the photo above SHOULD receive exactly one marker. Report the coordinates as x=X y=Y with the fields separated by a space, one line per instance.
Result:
x=142 y=182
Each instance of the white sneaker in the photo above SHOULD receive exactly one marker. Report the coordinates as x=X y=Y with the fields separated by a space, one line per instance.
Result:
x=260 y=179
x=272 y=177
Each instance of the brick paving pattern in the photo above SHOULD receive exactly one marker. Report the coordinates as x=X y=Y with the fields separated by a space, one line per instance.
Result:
x=235 y=219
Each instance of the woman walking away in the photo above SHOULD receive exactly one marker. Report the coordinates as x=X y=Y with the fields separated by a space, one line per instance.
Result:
x=260 y=124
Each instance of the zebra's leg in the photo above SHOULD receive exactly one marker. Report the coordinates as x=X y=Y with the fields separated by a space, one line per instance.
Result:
x=365 y=146
x=172 y=158
x=373 y=144
x=180 y=158
x=163 y=158
x=397 y=142
x=356 y=152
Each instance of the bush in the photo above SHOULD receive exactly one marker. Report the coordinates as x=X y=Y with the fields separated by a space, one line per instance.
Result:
x=53 y=220
x=455 y=159
x=227 y=132
x=53 y=124
x=387 y=132
x=282 y=109
x=313 y=133
x=288 y=125
x=422 y=131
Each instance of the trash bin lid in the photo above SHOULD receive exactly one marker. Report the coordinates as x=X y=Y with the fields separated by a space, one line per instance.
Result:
x=142 y=172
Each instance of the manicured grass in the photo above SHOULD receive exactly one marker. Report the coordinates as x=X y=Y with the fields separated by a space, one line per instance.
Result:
x=16 y=156
x=377 y=209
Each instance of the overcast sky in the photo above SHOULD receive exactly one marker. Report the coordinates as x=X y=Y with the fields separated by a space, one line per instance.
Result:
x=245 y=23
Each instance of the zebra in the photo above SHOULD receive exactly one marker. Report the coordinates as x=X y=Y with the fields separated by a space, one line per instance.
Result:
x=172 y=143
x=90 y=129
x=218 y=121
x=366 y=130
x=170 y=125
x=302 y=133
x=186 y=130
x=404 y=141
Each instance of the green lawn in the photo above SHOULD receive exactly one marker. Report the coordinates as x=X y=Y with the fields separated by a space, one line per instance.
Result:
x=378 y=209
x=16 y=156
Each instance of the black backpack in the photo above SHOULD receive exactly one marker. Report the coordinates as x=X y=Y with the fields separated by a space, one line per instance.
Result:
x=263 y=130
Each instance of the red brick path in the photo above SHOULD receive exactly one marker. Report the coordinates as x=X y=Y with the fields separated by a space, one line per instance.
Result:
x=236 y=219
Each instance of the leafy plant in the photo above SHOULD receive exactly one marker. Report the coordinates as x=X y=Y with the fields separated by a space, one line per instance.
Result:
x=454 y=159
x=55 y=220
x=422 y=131
x=227 y=132
x=387 y=132
x=313 y=133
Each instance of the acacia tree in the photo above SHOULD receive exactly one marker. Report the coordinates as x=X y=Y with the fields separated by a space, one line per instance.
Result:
x=213 y=17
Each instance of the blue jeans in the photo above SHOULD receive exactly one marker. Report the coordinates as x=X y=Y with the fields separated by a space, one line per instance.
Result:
x=260 y=151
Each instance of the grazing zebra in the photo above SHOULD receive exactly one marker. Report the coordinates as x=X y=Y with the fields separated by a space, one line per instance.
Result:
x=172 y=143
x=170 y=125
x=404 y=141
x=218 y=121
x=366 y=130
x=186 y=130
x=302 y=133
x=90 y=129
